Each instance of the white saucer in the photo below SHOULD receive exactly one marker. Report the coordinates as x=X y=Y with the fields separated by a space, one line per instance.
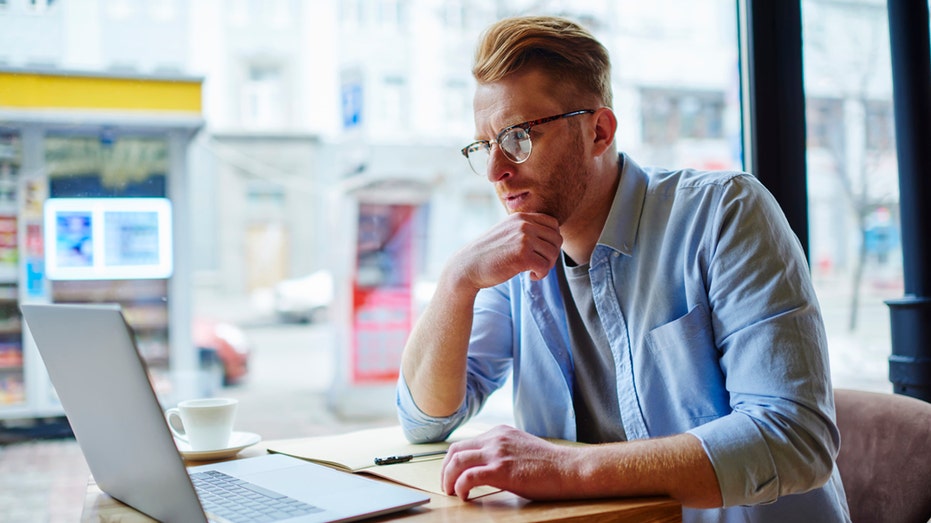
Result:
x=238 y=441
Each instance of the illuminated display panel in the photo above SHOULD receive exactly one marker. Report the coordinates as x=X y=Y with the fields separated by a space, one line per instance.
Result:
x=107 y=238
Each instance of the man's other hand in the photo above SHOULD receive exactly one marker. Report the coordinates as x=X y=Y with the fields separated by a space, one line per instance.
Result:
x=509 y=459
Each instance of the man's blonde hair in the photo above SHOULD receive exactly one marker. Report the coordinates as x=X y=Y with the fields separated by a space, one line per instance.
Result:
x=563 y=49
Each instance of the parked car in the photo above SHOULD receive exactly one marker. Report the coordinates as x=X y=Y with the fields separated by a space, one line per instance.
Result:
x=223 y=349
x=304 y=299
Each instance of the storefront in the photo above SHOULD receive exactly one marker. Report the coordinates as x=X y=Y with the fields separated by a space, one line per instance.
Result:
x=94 y=207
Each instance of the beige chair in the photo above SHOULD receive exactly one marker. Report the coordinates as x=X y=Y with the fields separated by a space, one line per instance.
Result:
x=885 y=456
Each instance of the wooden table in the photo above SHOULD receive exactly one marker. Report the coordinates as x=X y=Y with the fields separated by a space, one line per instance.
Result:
x=499 y=507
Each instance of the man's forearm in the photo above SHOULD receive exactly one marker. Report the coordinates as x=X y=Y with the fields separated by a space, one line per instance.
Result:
x=675 y=466
x=434 y=360
x=514 y=460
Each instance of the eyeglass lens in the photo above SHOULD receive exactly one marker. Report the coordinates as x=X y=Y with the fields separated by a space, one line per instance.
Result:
x=515 y=144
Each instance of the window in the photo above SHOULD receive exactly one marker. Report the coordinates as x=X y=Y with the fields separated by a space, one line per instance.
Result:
x=106 y=166
x=262 y=93
x=10 y=160
x=825 y=123
x=351 y=13
x=672 y=116
x=675 y=80
x=392 y=110
x=675 y=68
x=239 y=12
x=163 y=10
x=120 y=9
x=852 y=184
x=40 y=6
x=277 y=13
x=880 y=126
x=454 y=15
x=12 y=375
x=266 y=197
x=390 y=14
x=457 y=107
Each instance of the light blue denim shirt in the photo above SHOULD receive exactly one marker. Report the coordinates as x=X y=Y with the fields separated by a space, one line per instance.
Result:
x=715 y=330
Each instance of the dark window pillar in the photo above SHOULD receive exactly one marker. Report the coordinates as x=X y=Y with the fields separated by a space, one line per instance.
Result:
x=774 y=103
x=910 y=362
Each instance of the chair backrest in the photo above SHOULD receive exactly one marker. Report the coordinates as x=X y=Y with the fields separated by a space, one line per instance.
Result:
x=885 y=456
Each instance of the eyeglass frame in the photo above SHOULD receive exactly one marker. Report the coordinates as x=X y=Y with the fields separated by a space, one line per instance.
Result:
x=526 y=126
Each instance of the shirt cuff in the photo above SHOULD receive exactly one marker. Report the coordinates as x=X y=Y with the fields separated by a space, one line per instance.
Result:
x=741 y=459
x=419 y=427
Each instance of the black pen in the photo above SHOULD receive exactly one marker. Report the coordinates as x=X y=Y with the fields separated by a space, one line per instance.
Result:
x=390 y=460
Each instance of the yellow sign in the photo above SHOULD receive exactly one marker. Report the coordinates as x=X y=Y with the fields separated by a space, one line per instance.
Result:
x=29 y=90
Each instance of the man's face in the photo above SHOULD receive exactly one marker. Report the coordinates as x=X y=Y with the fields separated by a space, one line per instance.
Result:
x=554 y=179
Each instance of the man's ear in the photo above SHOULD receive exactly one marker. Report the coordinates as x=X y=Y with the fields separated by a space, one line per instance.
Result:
x=605 y=127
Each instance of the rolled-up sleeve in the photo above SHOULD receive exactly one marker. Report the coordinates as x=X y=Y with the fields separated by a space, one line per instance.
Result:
x=762 y=452
x=422 y=428
x=488 y=366
x=780 y=437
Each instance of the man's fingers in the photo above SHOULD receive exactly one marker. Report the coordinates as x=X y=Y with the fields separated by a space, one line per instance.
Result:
x=543 y=258
x=520 y=243
x=544 y=227
x=456 y=463
x=471 y=478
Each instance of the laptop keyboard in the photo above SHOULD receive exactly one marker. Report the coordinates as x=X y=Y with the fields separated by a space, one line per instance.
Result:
x=236 y=501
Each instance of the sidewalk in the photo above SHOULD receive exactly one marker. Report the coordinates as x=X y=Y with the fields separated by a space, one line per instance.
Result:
x=42 y=481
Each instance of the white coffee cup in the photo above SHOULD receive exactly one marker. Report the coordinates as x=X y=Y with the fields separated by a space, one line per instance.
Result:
x=205 y=424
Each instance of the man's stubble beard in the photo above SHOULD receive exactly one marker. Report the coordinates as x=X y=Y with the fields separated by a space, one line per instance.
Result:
x=568 y=183
x=562 y=187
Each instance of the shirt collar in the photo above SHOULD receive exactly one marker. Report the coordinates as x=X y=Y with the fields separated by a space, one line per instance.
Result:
x=620 y=229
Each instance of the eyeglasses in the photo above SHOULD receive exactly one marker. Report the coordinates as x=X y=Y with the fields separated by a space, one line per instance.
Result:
x=514 y=142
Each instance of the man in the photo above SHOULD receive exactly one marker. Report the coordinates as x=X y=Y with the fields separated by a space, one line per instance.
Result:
x=667 y=315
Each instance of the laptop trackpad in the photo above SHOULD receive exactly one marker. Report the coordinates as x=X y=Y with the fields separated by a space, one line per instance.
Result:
x=335 y=491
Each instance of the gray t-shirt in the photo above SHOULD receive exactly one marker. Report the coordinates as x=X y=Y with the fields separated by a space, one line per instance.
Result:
x=594 y=397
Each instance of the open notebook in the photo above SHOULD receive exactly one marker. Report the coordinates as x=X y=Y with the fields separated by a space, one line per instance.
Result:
x=356 y=452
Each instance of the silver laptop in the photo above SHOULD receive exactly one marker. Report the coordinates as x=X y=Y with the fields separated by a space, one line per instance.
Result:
x=103 y=385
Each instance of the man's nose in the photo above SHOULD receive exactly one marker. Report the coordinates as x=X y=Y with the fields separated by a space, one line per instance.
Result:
x=499 y=166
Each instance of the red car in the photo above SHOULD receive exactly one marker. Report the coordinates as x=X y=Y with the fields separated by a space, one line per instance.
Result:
x=223 y=348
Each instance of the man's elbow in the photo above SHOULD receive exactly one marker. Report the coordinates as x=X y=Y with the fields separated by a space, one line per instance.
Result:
x=418 y=428
x=419 y=435
x=811 y=466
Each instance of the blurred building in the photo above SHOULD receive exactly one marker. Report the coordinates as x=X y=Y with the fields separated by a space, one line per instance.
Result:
x=303 y=100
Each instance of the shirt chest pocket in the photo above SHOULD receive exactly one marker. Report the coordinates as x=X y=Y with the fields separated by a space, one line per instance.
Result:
x=686 y=369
